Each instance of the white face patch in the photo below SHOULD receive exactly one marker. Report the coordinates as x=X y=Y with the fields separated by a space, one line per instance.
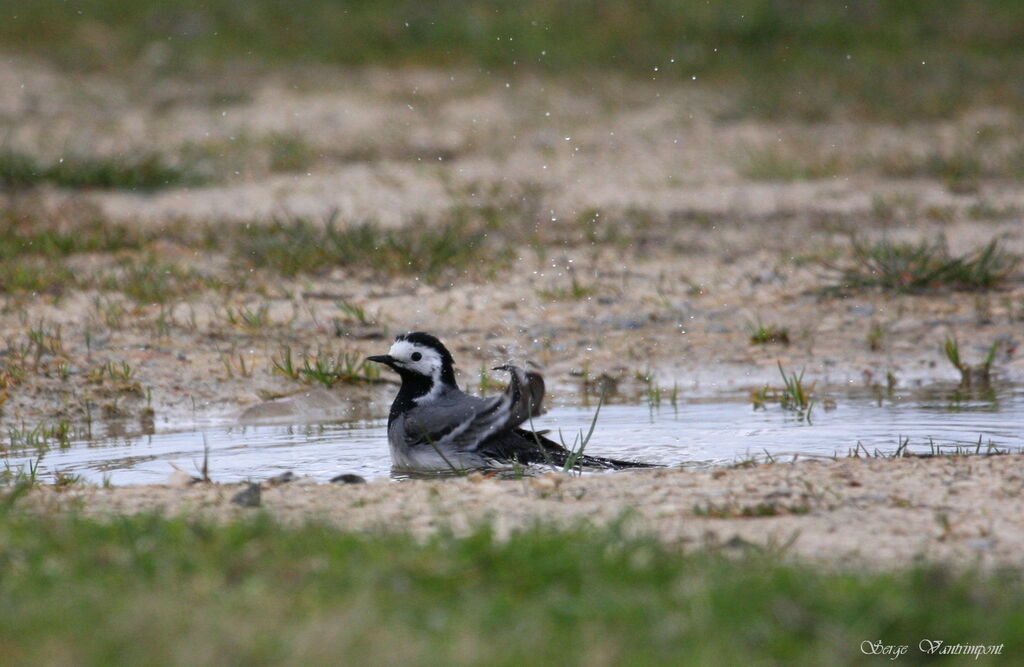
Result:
x=417 y=358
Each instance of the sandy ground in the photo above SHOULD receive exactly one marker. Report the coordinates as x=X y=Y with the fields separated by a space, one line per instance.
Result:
x=713 y=248
x=722 y=249
x=964 y=510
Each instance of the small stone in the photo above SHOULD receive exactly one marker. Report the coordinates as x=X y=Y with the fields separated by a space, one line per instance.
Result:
x=248 y=497
x=348 y=478
x=737 y=542
x=283 y=478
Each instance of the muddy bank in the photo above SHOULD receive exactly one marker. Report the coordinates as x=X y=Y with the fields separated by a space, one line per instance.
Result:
x=875 y=512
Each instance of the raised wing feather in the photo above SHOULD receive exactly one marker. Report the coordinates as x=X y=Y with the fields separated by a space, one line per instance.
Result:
x=465 y=422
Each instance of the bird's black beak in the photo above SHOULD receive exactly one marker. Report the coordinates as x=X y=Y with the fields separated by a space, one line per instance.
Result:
x=385 y=359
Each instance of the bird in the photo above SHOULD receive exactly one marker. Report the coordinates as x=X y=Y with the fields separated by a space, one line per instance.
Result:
x=434 y=426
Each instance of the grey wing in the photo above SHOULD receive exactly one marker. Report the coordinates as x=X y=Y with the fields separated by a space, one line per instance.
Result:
x=525 y=394
x=465 y=422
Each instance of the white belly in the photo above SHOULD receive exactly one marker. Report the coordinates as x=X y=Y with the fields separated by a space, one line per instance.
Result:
x=427 y=459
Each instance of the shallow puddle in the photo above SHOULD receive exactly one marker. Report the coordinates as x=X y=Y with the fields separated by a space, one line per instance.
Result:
x=694 y=434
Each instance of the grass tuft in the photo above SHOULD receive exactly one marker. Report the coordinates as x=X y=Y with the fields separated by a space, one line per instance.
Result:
x=774 y=163
x=39 y=236
x=141 y=171
x=925 y=266
x=297 y=245
x=877 y=334
x=580 y=442
x=330 y=369
x=766 y=334
x=327 y=368
x=794 y=396
x=576 y=290
x=147 y=280
x=976 y=376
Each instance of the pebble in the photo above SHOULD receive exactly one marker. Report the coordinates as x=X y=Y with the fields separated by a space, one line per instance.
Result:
x=348 y=478
x=283 y=478
x=248 y=497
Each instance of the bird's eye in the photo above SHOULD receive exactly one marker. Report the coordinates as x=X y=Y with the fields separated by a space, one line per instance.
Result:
x=416 y=356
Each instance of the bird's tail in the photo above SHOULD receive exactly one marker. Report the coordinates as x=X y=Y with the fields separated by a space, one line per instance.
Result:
x=554 y=453
x=610 y=464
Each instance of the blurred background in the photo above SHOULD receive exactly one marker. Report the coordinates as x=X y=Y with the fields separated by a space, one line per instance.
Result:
x=795 y=59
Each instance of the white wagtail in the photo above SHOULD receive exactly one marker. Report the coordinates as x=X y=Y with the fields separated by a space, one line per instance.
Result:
x=435 y=426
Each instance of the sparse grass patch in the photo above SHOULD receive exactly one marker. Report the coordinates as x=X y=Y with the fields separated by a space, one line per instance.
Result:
x=35 y=244
x=794 y=396
x=147 y=280
x=894 y=207
x=236 y=364
x=44 y=340
x=960 y=168
x=9 y=378
x=326 y=368
x=924 y=266
x=956 y=166
x=765 y=334
x=329 y=369
x=778 y=163
x=290 y=153
x=736 y=510
x=431 y=251
x=876 y=337
x=15 y=481
x=136 y=171
x=984 y=210
x=576 y=290
x=32 y=275
x=655 y=394
x=22 y=236
x=115 y=379
x=39 y=438
x=285 y=365
x=904 y=449
x=245 y=317
x=354 y=312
